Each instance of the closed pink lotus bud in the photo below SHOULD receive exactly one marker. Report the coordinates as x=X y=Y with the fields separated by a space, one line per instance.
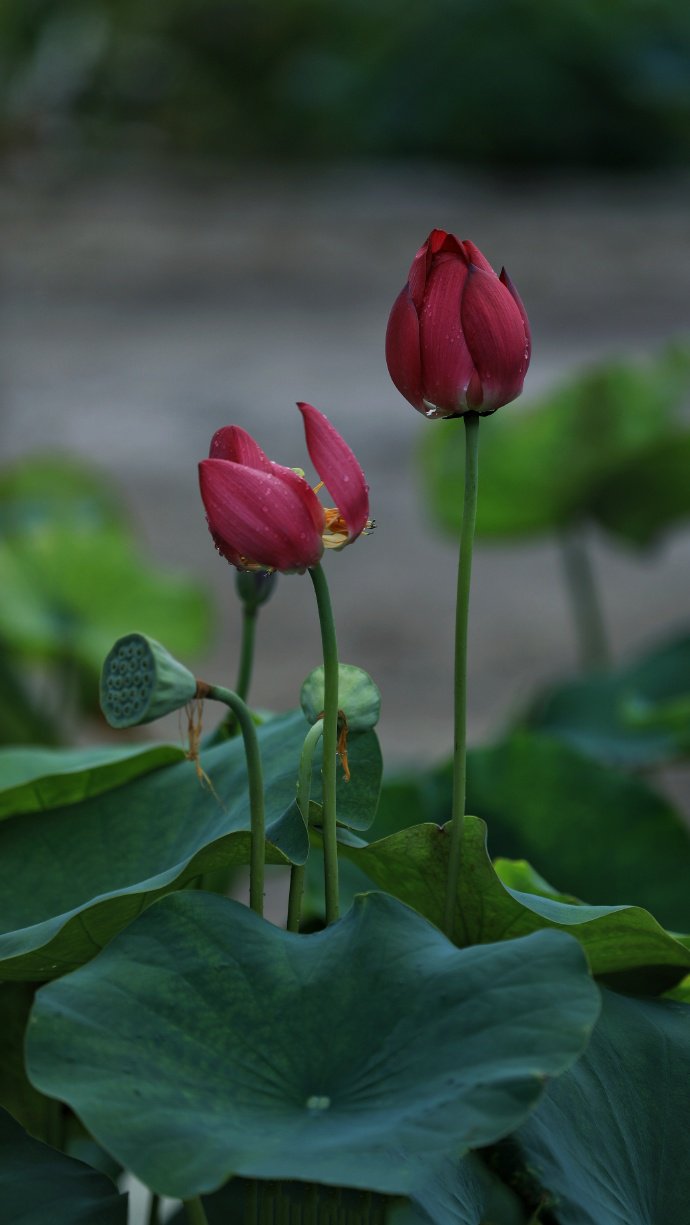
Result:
x=263 y=516
x=458 y=339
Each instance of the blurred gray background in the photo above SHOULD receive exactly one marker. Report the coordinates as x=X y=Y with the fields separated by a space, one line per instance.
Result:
x=145 y=306
x=207 y=210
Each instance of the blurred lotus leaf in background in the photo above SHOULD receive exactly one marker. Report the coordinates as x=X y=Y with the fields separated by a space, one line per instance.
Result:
x=635 y=715
x=73 y=579
x=608 y=446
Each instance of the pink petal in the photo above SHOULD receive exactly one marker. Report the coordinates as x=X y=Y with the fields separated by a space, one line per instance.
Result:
x=475 y=257
x=402 y=349
x=437 y=240
x=338 y=469
x=518 y=301
x=235 y=444
x=264 y=516
x=447 y=366
x=225 y=549
x=496 y=339
x=419 y=268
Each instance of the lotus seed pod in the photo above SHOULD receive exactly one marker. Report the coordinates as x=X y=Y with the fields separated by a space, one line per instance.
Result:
x=141 y=681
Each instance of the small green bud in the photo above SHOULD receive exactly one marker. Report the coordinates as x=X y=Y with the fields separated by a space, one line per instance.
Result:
x=255 y=587
x=358 y=697
x=140 y=682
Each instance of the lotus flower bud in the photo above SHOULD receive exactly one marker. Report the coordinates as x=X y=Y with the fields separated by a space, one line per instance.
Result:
x=458 y=337
x=255 y=587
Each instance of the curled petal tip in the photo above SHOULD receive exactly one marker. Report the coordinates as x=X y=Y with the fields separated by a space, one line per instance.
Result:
x=337 y=467
x=233 y=443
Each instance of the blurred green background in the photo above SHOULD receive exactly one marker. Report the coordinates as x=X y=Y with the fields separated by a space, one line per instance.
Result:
x=500 y=83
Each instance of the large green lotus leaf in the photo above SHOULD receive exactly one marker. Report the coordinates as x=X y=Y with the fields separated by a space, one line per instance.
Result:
x=610 y=1139
x=30 y=1108
x=72 y=877
x=205 y=1042
x=681 y=992
x=357 y=800
x=649 y=494
x=624 y=716
x=32 y=780
x=623 y=943
x=48 y=610
x=526 y=488
x=519 y=874
x=413 y=798
x=460 y=1193
x=604 y=836
x=40 y=1185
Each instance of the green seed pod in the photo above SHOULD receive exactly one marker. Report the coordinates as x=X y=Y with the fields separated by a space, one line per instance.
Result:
x=141 y=681
x=358 y=697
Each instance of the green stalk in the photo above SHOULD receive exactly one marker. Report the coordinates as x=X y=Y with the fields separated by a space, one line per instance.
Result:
x=298 y=871
x=153 y=1217
x=469 y=517
x=330 y=741
x=251 y=1203
x=256 y=789
x=196 y=1214
x=244 y=674
x=588 y=616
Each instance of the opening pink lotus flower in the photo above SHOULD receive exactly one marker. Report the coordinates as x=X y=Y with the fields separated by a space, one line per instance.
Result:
x=263 y=516
x=458 y=338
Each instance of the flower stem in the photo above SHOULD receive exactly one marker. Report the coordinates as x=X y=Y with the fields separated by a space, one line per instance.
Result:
x=196 y=1214
x=256 y=789
x=244 y=674
x=299 y=871
x=469 y=516
x=590 y=630
x=153 y=1217
x=330 y=741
